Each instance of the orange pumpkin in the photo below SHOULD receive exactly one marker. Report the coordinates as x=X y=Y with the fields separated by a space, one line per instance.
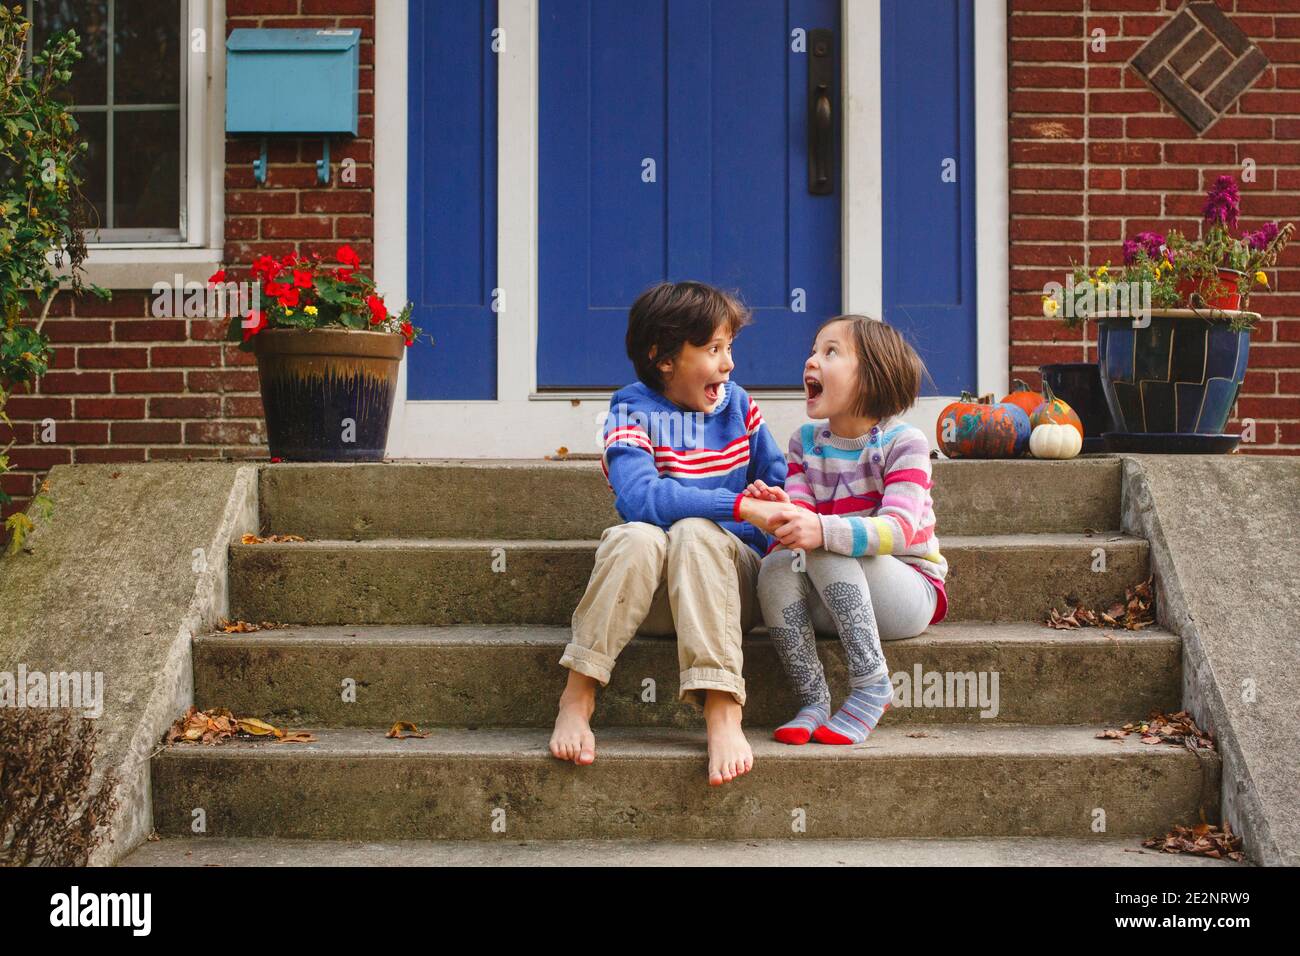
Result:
x=1055 y=411
x=1024 y=396
x=970 y=428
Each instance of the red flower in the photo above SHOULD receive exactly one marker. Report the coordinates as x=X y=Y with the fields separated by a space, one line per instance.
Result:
x=348 y=256
x=275 y=289
x=378 y=311
x=302 y=279
x=290 y=298
x=216 y=277
x=343 y=275
x=267 y=267
x=275 y=460
x=258 y=324
x=406 y=329
x=291 y=259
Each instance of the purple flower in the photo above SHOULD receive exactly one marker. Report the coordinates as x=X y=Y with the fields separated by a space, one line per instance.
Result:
x=1223 y=203
x=1149 y=242
x=1261 y=238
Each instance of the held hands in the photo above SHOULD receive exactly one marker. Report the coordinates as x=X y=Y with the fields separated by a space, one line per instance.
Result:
x=794 y=527
x=798 y=529
x=765 y=492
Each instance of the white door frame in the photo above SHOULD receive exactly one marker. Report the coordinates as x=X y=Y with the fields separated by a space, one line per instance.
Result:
x=520 y=422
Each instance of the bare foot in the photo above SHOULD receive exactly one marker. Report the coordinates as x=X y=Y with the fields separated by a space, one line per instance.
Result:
x=729 y=752
x=572 y=738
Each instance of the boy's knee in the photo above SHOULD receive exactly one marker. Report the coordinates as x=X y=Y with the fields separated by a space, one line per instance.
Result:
x=637 y=538
x=692 y=532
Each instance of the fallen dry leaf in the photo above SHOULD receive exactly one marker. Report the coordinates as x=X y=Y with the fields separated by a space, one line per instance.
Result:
x=219 y=724
x=1204 y=839
x=244 y=627
x=1179 y=729
x=403 y=729
x=1135 y=612
x=258 y=728
x=270 y=539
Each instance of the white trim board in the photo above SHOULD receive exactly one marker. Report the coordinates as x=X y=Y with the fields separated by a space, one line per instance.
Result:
x=522 y=424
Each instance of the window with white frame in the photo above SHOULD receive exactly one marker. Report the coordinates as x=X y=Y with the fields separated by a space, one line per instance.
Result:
x=137 y=95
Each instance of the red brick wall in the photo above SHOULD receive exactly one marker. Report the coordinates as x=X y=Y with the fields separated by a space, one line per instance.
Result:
x=1096 y=156
x=127 y=387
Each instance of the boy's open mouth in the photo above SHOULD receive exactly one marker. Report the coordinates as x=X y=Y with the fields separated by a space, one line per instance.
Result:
x=712 y=391
x=813 y=387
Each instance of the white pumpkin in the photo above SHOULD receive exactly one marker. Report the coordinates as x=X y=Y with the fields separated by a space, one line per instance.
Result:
x=1050 y=440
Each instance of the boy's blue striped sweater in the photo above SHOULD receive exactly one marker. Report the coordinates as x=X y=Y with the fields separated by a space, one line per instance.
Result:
x=665 y=463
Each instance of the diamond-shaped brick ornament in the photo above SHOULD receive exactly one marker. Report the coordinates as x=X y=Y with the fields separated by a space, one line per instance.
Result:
x=1199 y=63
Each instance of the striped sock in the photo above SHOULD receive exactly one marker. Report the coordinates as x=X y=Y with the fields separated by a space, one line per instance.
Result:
x=858 y=716
x=799 y=730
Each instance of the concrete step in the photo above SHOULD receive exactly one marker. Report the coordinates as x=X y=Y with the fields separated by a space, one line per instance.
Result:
x=463 y=581
x=506 y=851
x=956 y=781
x=484 y=676
x=570 y=500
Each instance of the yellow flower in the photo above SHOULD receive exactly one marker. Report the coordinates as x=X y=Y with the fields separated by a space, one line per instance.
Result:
x=311 y=310
x=1101 y=271
x=288 y=311
x=1050 y=306
x=1262 y=278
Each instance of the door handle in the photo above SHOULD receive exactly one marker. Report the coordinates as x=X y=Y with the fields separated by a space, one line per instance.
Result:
x=821 y=125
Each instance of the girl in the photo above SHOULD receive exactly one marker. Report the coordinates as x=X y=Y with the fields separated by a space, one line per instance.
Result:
x=857 y=550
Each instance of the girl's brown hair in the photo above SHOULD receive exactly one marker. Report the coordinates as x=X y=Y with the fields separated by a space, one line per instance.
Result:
x=889 y=370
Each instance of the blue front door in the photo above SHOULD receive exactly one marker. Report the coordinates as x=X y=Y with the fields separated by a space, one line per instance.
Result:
x=674 y=145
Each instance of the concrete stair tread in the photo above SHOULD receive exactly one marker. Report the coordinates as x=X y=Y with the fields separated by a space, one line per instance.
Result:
x=404 y=635
x=806 y=851
x=1027 y=540
x=1022 y=741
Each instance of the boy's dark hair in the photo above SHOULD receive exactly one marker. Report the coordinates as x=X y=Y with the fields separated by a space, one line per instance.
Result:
x=668 y=315
x=889 y=370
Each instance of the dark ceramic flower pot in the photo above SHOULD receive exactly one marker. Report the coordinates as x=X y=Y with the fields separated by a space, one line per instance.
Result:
x=315 y=380
x=1078 y=384
x=1179 y=374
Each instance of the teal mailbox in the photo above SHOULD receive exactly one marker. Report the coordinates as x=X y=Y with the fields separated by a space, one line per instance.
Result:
x=292 y=82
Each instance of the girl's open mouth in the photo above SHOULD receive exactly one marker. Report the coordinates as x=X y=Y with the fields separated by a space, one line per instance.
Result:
x=813 y=387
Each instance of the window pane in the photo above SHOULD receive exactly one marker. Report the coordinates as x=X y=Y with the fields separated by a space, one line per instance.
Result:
x=89 y=18
x=146 y=57
x=146 y=182
x=94 y=165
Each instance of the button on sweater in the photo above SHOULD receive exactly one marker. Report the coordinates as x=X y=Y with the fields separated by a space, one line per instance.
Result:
x=872 y=494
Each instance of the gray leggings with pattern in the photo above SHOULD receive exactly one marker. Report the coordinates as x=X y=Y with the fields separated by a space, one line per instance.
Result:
x=863 y=600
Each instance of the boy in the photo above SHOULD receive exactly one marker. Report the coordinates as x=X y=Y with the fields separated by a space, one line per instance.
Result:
x=681 y=445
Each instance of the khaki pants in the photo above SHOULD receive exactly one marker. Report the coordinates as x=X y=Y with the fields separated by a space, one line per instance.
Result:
x=697 y=579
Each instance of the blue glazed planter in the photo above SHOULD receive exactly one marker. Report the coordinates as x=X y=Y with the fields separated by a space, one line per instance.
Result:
x=314 y=381
x=1180 y=374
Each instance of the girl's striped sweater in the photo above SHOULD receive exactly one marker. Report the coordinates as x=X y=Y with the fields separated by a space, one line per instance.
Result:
x=872 y=493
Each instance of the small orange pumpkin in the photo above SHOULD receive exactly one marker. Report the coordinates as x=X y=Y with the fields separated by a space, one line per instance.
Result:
x=1024 y=396
x=1053 y=410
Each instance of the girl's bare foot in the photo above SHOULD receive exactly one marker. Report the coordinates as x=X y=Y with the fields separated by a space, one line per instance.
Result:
x=572 y=738
x=729 y=752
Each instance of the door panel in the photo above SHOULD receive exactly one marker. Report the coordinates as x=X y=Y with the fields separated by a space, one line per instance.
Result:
x=451 y=216
x=710 y=92
x=928 y=110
